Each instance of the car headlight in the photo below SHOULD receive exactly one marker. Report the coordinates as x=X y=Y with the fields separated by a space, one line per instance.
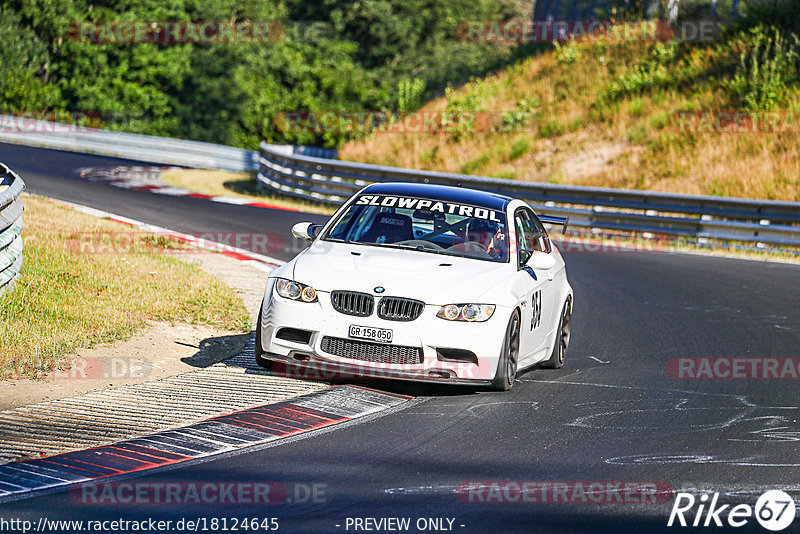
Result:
x=473 y=313
x=289 y=289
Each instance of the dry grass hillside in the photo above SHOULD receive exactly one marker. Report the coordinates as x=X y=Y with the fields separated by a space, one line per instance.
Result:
x=628 y=115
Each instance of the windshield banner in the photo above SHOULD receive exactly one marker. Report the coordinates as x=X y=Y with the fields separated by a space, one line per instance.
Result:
x=461 y=210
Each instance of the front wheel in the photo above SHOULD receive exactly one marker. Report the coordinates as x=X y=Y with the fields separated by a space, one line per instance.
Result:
x=507 y=366
x=559 y=353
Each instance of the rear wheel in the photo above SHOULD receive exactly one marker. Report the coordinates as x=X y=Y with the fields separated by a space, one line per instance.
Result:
x=559 y=353
x=258 y=348
x=507 y=366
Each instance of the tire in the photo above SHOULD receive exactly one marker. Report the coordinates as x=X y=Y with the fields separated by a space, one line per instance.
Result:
x=258 y=349
x=556 y=360
x=507 y=365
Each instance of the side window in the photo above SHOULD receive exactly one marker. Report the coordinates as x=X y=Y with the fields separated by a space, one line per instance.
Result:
x=524 y=244
x=531 y=235
x=542 y=241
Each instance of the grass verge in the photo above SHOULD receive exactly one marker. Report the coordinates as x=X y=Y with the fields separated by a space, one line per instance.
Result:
x=87 y=281
x=235 y=184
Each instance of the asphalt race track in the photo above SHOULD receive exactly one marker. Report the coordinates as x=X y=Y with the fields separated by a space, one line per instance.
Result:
x=612 y=415
x=53 y=173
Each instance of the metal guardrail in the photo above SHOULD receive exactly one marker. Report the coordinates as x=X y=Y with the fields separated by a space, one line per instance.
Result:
x=761 y=221
x=11 y=185
x=164 y=150
x=148 y=148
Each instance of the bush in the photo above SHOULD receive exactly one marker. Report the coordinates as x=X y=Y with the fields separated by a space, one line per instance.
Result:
x=652 y=72
x=781 y=14
x=463 y=106
x=765 y=67
x=475 y=165
x=22 y=61
x=518 y=149
x=568 y=53
x=516 y=119
x=551 y=128
x=410 y=95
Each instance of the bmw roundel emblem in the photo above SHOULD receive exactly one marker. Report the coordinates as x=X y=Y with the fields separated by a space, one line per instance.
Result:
x=380 y=289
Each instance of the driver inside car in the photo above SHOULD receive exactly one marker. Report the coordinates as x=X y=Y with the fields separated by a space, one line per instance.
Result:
x=487 y=235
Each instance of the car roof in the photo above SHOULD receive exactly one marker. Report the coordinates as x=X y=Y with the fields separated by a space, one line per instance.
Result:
x=446 y=193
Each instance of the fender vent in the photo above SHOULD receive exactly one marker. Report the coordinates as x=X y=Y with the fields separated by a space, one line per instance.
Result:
x=294 y=334
x=456 y=355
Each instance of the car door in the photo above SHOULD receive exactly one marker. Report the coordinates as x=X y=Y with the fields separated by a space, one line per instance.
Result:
x=551 y=308
x=537 y=303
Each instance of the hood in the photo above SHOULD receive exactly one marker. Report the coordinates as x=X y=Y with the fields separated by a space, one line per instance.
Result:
x=431 y=278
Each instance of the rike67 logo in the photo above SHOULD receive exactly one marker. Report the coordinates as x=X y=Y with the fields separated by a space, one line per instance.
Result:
x=774 y=510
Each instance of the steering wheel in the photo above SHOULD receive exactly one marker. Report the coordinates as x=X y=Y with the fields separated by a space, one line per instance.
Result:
x=420 y=243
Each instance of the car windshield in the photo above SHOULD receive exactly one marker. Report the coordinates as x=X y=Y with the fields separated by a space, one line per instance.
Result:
x=424 y=224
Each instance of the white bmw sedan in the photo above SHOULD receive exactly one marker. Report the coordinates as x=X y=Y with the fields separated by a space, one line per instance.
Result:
x=421 y=282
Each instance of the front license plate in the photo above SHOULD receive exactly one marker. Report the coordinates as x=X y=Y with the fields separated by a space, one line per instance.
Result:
x=381 y=335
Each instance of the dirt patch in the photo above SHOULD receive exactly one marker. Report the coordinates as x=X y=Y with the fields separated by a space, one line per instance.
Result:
x=592 y=159
x=86 y=281
x=162 y=350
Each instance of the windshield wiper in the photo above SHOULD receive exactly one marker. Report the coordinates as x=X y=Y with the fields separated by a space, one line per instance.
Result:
x=412 y=247
x=418 y=248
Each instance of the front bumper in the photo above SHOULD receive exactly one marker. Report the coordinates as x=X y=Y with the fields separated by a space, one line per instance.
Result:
x=305 y=366
x=435 y=337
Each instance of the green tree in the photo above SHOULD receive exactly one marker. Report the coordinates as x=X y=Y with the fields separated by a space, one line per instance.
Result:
x=24 y=58
x=337 y=55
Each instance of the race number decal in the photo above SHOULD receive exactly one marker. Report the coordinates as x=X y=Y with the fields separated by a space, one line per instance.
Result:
x=536 y=309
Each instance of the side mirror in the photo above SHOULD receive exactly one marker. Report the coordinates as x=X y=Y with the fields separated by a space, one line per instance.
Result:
x=540 y=261
x=305 y=230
